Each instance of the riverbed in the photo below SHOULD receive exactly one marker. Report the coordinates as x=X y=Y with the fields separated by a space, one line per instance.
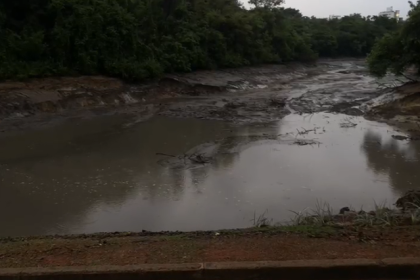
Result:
x=209 y=163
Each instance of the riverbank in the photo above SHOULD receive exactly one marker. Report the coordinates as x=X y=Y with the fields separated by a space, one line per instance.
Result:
x=68 y=94
x=399 y=105
x=205 y=162
x=244 y=95
x=257 y=244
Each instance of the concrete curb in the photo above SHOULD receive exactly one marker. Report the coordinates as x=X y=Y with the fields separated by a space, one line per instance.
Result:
x=403 y=268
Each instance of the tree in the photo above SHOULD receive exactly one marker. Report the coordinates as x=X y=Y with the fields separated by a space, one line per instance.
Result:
x=400 y=50
x=270 y=4
x=142 y=39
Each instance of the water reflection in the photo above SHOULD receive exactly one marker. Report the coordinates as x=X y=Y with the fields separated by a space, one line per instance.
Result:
x=398 y=160
x=51 y=179
x=100 y=175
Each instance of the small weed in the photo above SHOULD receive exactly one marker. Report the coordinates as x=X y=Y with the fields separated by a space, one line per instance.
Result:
x=261 y=220
x=414 y=213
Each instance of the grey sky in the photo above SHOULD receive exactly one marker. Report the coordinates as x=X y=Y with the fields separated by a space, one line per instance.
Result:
x=324 y=8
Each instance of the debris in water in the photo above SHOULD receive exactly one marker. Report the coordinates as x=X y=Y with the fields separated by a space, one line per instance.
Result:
x=305 y=131
x=400 y=137
x=306 y=142
x=166 y=155
x=234 y=105
x=347 y=123
x=278 y=102
x=199 y=159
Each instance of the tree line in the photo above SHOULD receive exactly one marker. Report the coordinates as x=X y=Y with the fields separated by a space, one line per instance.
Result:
x=143 y=39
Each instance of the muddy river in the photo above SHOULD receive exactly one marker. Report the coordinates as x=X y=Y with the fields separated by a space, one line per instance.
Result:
x=168 y=172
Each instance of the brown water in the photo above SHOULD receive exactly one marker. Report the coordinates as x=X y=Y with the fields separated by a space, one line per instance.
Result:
x=100 y=175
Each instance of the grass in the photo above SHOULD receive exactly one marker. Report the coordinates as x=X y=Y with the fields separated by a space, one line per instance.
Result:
x=322 y=221
x=322 y=215
x=382 y=215
x=415 y=214
x=261 y=221
x=262 y=224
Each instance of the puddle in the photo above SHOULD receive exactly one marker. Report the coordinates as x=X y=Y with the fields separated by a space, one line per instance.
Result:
x=101 y=175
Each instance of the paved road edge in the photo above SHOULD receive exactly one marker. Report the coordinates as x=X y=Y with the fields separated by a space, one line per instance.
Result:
x=408 y=268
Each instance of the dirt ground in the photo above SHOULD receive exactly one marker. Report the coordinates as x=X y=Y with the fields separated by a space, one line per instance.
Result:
x=266 y=244
x=406 y=103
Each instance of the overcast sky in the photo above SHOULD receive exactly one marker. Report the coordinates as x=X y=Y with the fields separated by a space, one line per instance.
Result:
x=324 y=8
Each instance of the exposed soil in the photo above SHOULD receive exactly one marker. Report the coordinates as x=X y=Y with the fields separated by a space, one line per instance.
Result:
x=403 y=104
x=38 y=101
x=294 y=243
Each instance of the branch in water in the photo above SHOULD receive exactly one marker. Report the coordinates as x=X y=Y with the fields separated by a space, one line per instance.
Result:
x=166 y=155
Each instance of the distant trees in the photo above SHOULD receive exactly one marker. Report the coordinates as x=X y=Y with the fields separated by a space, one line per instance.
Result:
x=142 y=39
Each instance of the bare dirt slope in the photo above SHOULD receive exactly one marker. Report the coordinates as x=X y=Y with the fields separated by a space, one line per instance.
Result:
x=406 y=102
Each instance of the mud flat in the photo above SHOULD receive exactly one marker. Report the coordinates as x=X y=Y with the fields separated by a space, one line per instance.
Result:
x=45 y=99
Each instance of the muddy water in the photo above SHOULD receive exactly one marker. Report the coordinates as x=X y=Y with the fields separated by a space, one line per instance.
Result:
x=99 y=175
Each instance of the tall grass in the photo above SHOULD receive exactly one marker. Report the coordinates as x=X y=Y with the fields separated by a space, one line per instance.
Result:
x=261 y=220
x=382 y=215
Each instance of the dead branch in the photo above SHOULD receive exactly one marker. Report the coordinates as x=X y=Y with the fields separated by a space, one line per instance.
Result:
x=305 y=131
x=199 y=159
x=166 y=155
x=302 y=142
x=408 y=78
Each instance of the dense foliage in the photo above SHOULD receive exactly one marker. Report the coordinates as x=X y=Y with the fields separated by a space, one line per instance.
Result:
x=400 y=50
x=141 y=39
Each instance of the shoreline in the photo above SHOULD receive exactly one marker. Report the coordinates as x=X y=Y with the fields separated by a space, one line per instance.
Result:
x=319 y=221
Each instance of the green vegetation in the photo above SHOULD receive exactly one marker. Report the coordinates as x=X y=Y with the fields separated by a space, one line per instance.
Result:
x=142 y=39
x=398 y=51
x=323 y=215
